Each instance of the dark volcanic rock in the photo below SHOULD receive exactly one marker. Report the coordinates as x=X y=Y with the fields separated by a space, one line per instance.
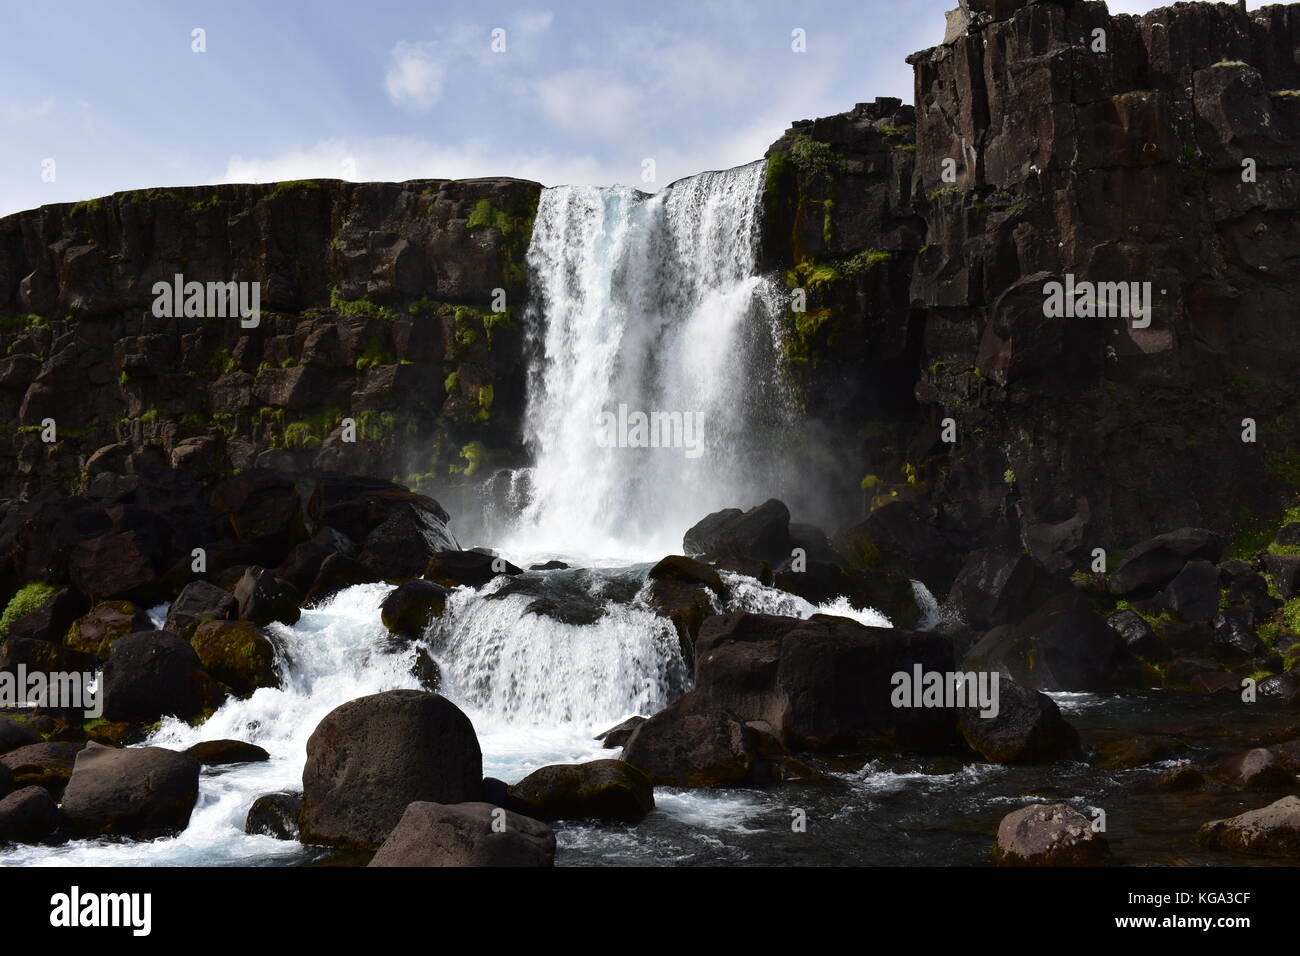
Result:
x=275 y=815
x=684 y=570
x=95 y=632
x=216 y=753
x=1138 y=636
x=198 y=603
x=1154 y=563
x=820 y=582
x=50 y=621
x=465 y=834
x=1028 y=728
x=372 y=756
x=263 y=598
x=14 y=734
x=28 y=815
x=409 y=608
x=762 y=533
x=600 y=790
x=237 y=654
x=1194 y=594
x=47 y=764
x=153 y=674
x=141 y=792
x=471 y=568
x=618 y=735
x=1271 y=831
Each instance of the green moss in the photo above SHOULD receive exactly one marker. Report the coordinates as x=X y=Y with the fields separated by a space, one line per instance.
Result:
x=812 y=157
x=300 y=435
x=29 y=598
x=1285 y=466
x=374 y=355
x=475 y=455
x=221 y=362
x=450 y=381
x=1008 y=477
x=376 y=426
x=485 y=215
x=150 y=416
x=289 y=186
x=359 y=307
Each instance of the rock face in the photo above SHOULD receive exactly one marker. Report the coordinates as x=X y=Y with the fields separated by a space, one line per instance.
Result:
x=372 y=756
x=139 y=792
x=1052 y=834
x=153 y=674
x=466 y=834
x=369 y=293
x=600 y=790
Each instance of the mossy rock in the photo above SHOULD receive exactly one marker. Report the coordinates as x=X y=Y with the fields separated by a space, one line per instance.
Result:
x=237 y=654
x=96 y=631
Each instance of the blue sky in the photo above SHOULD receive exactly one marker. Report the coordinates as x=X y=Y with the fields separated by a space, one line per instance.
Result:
x=113 y=93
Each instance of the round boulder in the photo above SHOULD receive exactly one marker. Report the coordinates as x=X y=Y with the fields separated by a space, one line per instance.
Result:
x=466 y=834
x=1049 y=834
x=600 y=790
x=141 y=792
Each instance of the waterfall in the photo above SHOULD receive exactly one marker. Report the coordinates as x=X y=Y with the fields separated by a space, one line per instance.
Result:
x=652 y=305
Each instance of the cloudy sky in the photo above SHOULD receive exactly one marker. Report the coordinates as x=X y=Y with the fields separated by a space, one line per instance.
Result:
x=116 y=97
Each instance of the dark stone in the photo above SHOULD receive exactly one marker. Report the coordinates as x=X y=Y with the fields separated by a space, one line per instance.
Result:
x=1138 y=636
x=263 y=598
x=14 y=734
x=612 y=790
x=1271 y=831
x=401 y=546
x=1285 y=572
x=372 y=756
x=48 y=764
x=50 y=621
x=1052 y=834
x=198 y=603
x=1028 y=728
x=155 y=674
x=1234 y=636
x=466 y=568
x=337 y=572
x=237 y=654
x=762 y=533
x=275 y=815
x=28 y=815
x=994 y=586
x=434 y=834
x=551 y=565
x=897 y=537
x=409 y=608
x=686 y=570
x=1194 y=594
x=142 y=792
x=761 y=571
x=217 y=753
x=1259 y=769
x=1155 y=562
x=820 y=583
x=97 y=631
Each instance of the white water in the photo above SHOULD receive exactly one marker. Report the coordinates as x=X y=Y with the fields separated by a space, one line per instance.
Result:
x=652 y=302
x=537 y=691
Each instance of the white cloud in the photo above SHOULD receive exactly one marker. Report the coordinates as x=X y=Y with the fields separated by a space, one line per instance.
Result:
x=415 y=74
x=18 y=114
x=590 y=104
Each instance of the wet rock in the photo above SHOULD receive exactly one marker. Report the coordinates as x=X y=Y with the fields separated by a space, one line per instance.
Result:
x=198 y=603
x=263 y=598
x=618 y=735
x=433 y=834
x=1154 y=563
x=409 y=608
x=1282 y=687
x=141 y=792
x=28 y=815
x=762 y=533
x=824 y=684
x=217 y=753
x=96 y=632
x=611 y=790
x=50 y=621
x=1215 y=683
x=237 y=654
x=1138 y=636
x=896 y=537
x=684 y=570
x=1234 y=637
x=1271 y=831
x=761 y=571
x=1194 y=593
x=426 y=670
x=1027 y=728
x=1063 y=646
x=401 y=546
x=994 y=586
x=1051 y=834
x=552 y=565
x=275 y=815
x=19 y=654
x=1258 y=769
x=466 y=568
x=338 y=571
x=1126 y=751
x=686 y=605
x=155 y=674
x=47 y=764
x=570 y=599
x=1180 y=778
x=372 y=756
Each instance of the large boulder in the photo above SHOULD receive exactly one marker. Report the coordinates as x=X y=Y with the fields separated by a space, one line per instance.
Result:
x=1063 y=646
x=50 y=621
x=95 y=632
x=1138 y=636
x=466 y=834
x=896 y=537
x=218 y=753
x=372 y=756
x=1154 y=563
x=237 y=654
x=28 y=815
x=141 y=792
x=1271 y=831
x=46 y=764
x=198 y=603
x=600 y=790
x=1284 y=569
x=408 y=608
x=992 y=587
x=692 y=743
x=468 y=568
x=1027 y=728
x=15 y=734
x=1193 y=594
x=154 y=674
x=400 y=547
x=762 y=533
x=824 y=684
x=684 y=570
x=1049 y=834
x=263 y=598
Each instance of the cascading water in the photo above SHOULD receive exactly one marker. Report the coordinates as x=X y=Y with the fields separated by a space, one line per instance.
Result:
x=652 y=305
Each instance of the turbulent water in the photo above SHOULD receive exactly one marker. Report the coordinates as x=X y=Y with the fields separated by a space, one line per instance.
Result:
x=652 y=303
